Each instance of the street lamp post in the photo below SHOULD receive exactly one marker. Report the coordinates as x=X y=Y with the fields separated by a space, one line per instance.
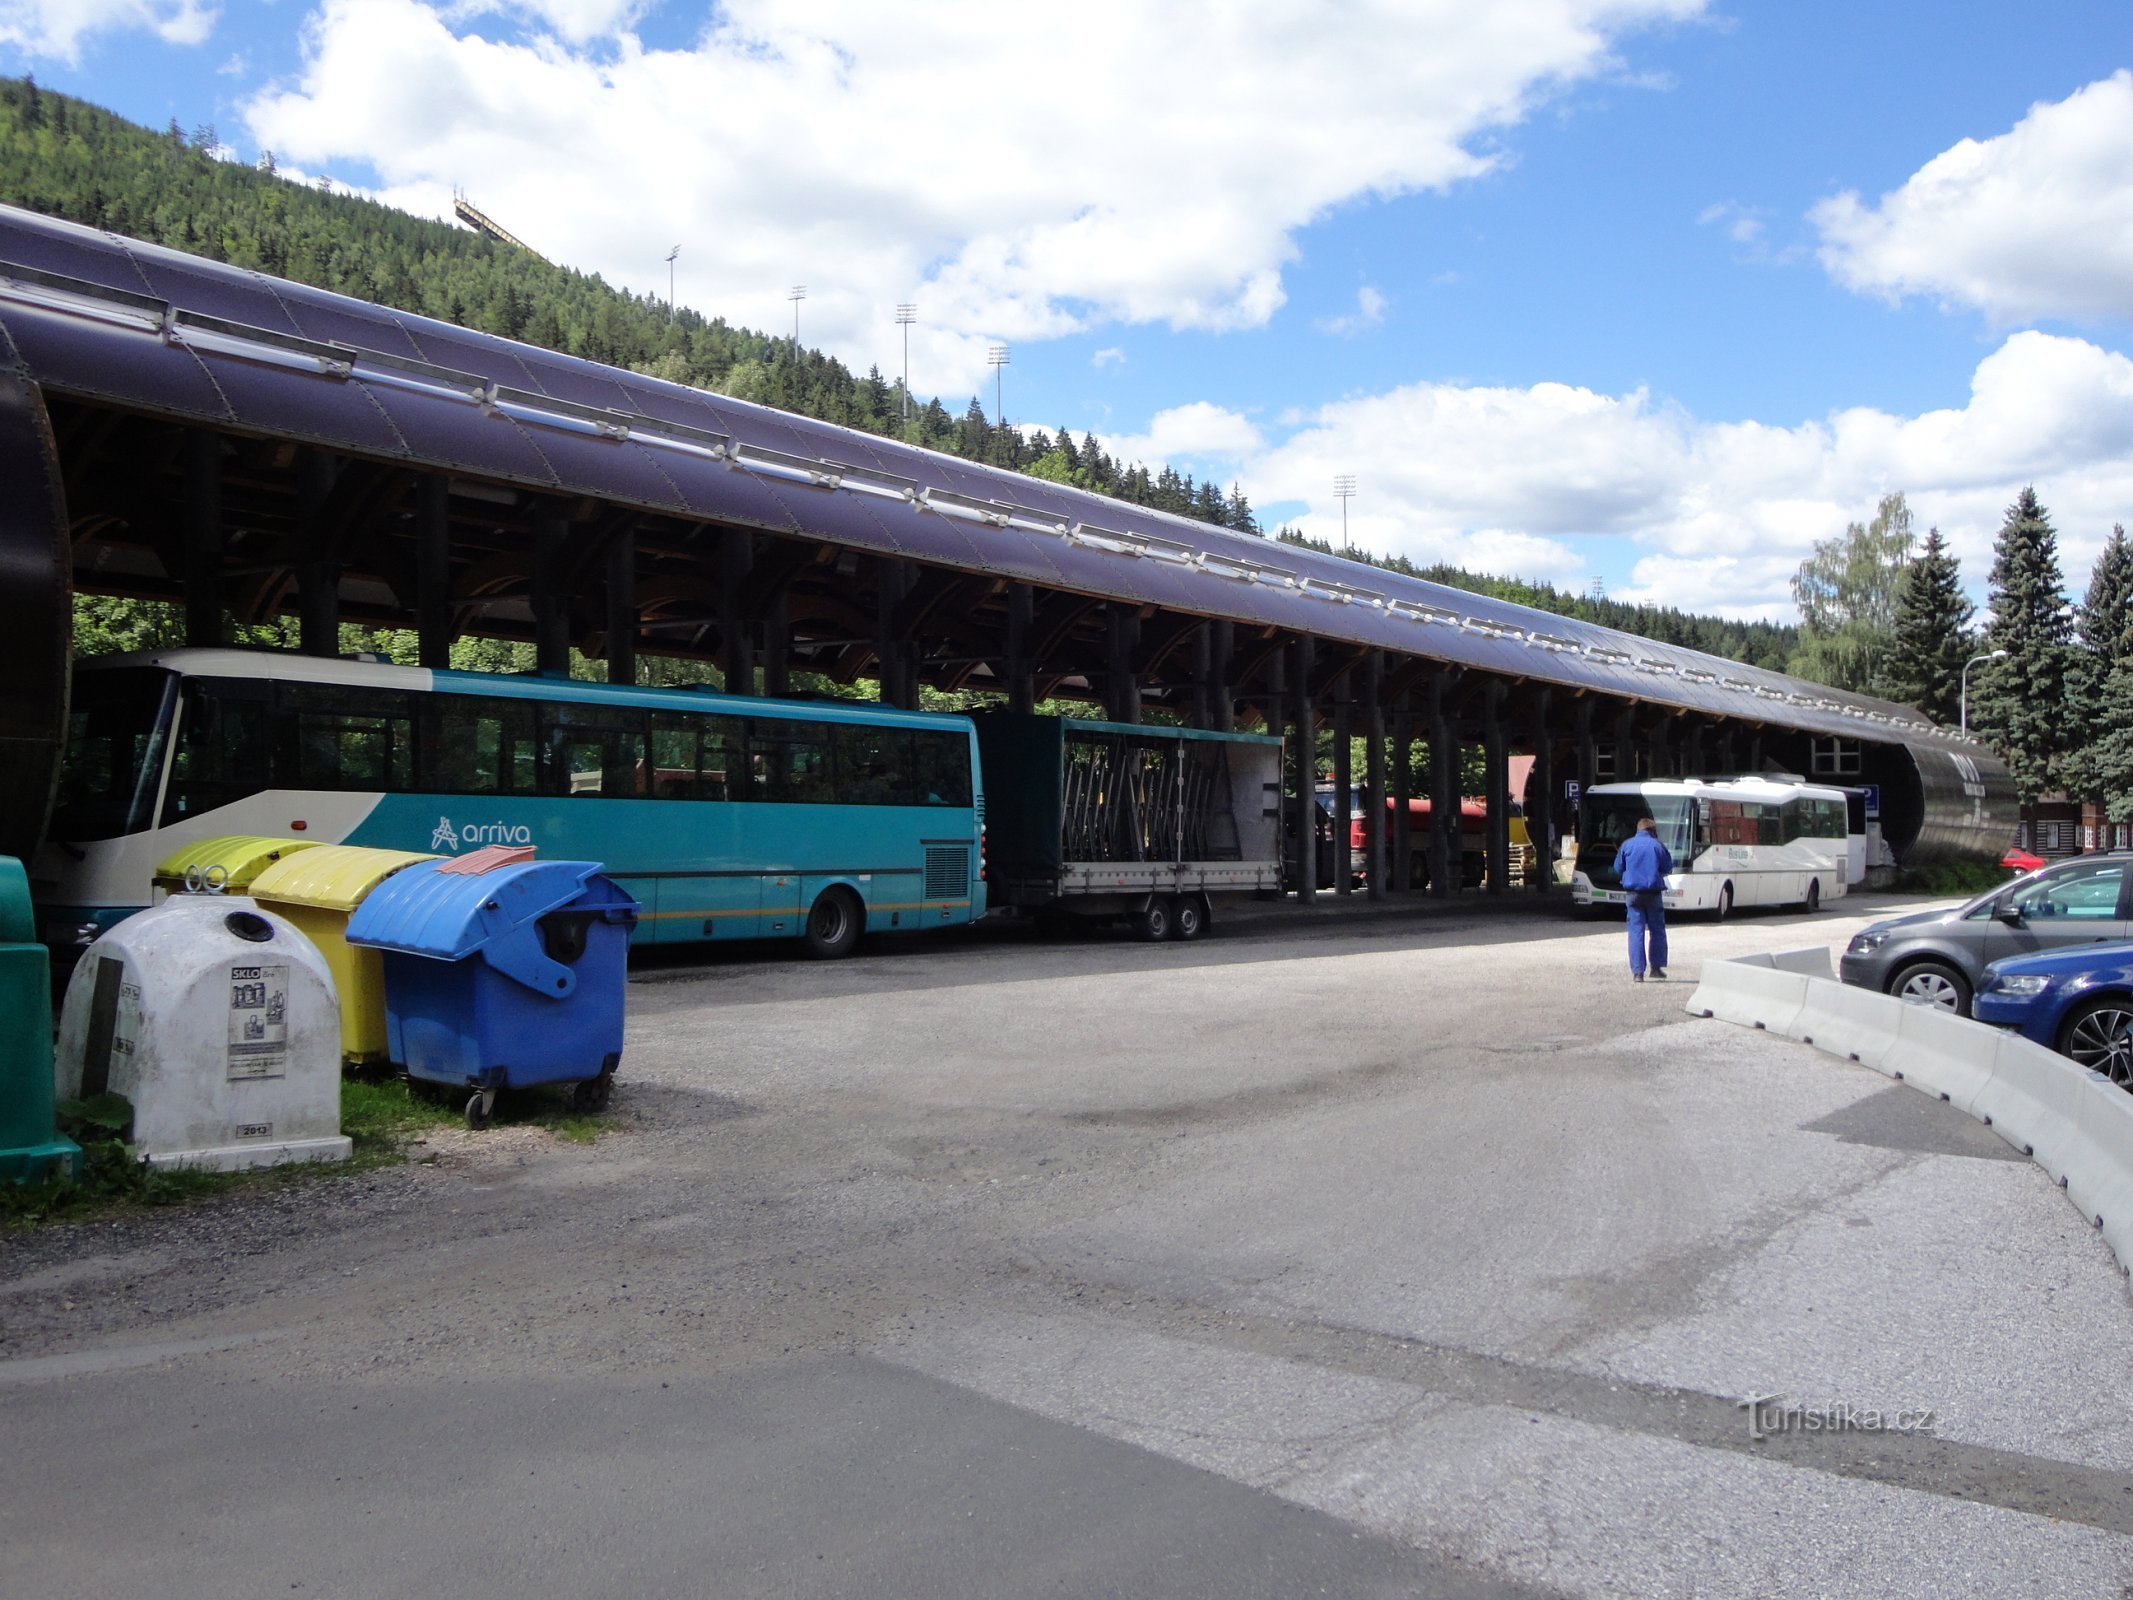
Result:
x=1964 y=711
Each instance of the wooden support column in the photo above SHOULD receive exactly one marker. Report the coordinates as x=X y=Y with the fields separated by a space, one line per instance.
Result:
x=1343 y=787
x=622 y=605
x=318 y=574
x=1658 y=759
x=1755 y=751
x=1496 y=768
x=1728 y=750
x=203 y=538
x=1122 y=686
x=1692 y=762
x=736 y=633
x=1221 y=670
x=1588 y=746
x=1403 y=787
x=1446 y=876
x=433 y=571
x=1374 y=852
x=777 y=648
x=1625 y=742
x=1021 y=678
x=1203 y=699
x=551 y=605
x=1303 y=722
x=1542 y=802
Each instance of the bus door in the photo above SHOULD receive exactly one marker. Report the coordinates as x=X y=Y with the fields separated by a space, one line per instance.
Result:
x=1855 y=836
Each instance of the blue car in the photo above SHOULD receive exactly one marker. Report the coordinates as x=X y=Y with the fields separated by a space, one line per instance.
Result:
x=2077 y=1002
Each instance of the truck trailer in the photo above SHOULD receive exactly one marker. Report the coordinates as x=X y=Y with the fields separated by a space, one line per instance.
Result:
x=1109 y=821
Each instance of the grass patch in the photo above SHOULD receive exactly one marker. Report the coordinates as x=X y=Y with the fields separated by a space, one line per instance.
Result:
x=380 y=1117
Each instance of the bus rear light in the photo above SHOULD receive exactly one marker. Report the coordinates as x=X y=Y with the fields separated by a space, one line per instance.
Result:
x=298 y=827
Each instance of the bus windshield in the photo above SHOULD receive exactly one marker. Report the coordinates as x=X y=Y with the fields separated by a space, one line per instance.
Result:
x=1609 y=819
x=117 y=725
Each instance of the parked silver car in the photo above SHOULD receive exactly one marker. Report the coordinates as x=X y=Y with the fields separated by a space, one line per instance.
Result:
x=1938 y=958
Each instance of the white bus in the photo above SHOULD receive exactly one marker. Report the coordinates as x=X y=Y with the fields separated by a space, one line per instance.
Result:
x=1763 y=840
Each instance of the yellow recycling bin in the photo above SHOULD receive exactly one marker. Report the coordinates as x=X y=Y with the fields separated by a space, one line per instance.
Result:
x=228 y=863
x=318 y=891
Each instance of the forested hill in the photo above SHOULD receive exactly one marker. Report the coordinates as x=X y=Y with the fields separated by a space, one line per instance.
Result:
x=67 y=158
x=1759 y=644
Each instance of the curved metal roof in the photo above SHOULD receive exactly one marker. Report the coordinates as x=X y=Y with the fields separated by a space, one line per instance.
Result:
x=91 y=314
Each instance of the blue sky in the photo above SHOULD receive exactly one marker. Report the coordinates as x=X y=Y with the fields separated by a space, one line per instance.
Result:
x=1653 y=292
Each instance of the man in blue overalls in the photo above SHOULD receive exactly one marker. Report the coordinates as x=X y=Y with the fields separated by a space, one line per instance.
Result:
x=1642 y=864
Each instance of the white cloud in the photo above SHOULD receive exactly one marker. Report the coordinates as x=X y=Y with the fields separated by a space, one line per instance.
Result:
x=1109 y=356
x=1369 y=312
x=2036 y=222
x=1045 y=180
x=57 y=28
x=1516 y=481
x=1198 y=432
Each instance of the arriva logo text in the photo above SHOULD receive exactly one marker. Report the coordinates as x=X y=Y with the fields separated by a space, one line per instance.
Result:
x=472 y=834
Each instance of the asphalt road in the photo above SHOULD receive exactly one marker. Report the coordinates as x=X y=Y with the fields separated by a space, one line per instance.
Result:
x=1342 y=1253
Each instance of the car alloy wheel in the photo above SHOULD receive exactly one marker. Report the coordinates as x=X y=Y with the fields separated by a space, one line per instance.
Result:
x=2100 y=1037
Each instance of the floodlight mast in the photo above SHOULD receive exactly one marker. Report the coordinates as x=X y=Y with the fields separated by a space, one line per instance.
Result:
x=905 y=316
x=997 y=358
x=671 y=254
x=796 y=294
x=1344 y=488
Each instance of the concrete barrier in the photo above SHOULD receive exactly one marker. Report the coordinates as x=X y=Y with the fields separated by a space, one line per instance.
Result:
x=2075 y=1124
x=1855 y=1023
x=1941 y=1053
x=1750 y=992
x=1810 y=961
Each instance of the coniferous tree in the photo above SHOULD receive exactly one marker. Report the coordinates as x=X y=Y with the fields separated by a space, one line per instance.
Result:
x=1931 y=637
x=2101 y=631
x=2019 y=704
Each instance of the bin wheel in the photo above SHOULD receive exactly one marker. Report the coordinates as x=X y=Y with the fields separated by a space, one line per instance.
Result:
x=833 y=924
x=481 y=1108
x=592 y=1093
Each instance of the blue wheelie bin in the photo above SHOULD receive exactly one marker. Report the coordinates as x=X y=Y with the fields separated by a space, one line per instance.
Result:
x=504 y=978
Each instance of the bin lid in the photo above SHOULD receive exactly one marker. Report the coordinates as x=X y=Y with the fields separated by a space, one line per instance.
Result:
x=333 y=877
x=425 y=911
x=241 y=856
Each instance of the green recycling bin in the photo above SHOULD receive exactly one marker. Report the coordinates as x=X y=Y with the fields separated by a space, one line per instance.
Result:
x=30 y=1147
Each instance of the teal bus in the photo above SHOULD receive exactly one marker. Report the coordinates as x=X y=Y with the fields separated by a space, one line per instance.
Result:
x=726 y=817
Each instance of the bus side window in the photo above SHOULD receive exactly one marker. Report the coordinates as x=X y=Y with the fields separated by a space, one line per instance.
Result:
x=789 y=761
x=223 y=747
x=943 y=768
x=478 y=746
x=344 y=737
x=874 y=766
x=593 y=750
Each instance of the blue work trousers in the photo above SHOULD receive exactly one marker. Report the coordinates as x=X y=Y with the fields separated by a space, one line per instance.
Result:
x=1647 y=930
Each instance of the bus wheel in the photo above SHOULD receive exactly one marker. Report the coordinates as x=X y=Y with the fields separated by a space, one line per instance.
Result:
x=1814 y=895
x=1152 y=922
x=1725 y=903
x=833 y=924
x=1189 y=917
